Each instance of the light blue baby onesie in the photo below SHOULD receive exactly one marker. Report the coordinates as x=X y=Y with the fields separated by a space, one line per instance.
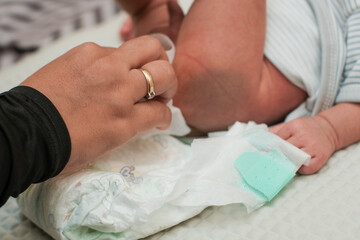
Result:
x=316 y=45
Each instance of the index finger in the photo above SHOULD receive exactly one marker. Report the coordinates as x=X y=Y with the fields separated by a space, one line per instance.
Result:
x=141 y=50
x=282 y=130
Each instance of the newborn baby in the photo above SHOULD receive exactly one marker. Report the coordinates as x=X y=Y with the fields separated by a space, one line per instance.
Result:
x=265 y=61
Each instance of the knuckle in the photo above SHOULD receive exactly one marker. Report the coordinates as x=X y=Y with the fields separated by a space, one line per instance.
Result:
x=152 y=42
x=167 y=68
x=294 y=124
x=89 y=47
x=82 y=56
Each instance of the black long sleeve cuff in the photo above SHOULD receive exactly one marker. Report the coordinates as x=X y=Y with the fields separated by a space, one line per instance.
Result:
x=34 y=141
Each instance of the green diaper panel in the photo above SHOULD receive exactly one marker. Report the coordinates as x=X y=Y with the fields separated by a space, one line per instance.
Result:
x=263 y=173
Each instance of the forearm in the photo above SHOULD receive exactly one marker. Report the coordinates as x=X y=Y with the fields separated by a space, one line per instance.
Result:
x=34 y=142
x=344 y=120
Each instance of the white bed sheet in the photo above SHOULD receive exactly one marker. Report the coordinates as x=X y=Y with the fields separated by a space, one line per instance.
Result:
x=321 y=206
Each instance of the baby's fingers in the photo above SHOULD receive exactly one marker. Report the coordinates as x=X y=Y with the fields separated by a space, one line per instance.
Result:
x=275 y=129
x=151 y=114
x=281 y=130
x=317 y=161
x=314 y=166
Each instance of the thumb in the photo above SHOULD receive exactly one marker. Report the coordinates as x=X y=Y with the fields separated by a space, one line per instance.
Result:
x=176 y=17
x=127 y=29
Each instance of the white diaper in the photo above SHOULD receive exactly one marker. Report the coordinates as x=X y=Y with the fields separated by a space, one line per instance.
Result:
x=152 y=183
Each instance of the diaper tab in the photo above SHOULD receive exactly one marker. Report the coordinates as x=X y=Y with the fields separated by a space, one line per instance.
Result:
x=263 y=174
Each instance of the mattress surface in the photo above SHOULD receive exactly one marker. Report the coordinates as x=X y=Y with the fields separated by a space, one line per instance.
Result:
x=321 y=206
x=14 y=226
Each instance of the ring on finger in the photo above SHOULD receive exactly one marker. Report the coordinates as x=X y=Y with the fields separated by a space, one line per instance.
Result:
x=149 y=84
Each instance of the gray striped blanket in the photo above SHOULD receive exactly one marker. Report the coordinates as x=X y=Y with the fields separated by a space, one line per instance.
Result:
x=26 y=25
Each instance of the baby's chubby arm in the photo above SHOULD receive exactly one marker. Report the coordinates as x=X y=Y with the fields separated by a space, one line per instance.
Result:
x=323 y=134
x=149 y=16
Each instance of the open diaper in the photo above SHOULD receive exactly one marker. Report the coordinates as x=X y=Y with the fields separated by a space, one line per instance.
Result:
x=154 y=182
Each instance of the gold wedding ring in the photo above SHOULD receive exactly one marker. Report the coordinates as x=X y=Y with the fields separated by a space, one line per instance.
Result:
x=150 y=84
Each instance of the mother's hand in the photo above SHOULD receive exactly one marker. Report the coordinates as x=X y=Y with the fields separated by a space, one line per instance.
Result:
x=97 y=92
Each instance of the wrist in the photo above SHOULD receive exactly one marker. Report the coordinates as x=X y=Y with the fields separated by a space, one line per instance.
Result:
x=329 y=130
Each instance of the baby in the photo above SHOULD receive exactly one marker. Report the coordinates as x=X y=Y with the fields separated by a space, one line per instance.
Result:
x=265 y=61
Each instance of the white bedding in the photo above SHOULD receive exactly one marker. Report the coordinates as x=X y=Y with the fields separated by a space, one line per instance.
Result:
x=320 y=206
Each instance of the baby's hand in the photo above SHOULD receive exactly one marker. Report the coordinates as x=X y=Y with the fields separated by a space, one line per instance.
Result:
x=163 y=18
x=314 y=135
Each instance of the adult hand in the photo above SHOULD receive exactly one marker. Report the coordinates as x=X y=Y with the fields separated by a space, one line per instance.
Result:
x=157 y=17
x=313 y=135
x=97 y=91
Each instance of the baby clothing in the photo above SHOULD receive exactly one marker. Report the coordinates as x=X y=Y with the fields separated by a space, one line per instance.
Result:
x=316 y=45
x=34 y=141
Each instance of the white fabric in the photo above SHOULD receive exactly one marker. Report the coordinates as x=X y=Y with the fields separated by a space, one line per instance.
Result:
x=293 y=45
x=315 y=44
x=323 y=206
x=293 y=42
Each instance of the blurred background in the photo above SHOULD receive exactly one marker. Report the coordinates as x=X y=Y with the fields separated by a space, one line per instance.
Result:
x=27 y=25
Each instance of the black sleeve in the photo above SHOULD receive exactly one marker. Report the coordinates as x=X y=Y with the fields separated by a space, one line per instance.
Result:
x=34 y=141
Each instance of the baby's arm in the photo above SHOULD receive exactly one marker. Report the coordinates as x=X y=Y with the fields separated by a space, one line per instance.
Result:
x=323 y=134
x=149 y=16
